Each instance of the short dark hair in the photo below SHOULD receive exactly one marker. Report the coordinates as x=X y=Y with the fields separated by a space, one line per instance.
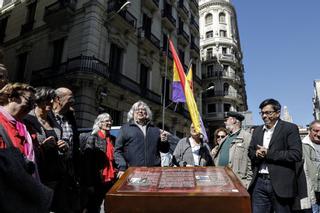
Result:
x=275 y=104
x=312 y=123
x=44 y=94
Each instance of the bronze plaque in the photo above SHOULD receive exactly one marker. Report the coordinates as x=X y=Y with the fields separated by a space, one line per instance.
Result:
x=176 y=189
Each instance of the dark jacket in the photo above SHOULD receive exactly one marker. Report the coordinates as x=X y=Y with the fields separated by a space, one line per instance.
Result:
x=95 y=159
x=132 y=148
x=285 y=150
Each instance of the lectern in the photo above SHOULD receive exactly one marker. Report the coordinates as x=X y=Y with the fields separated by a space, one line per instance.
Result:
x=178 y=189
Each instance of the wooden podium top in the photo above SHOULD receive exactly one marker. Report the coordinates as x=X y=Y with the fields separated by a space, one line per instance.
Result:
x=144 y=189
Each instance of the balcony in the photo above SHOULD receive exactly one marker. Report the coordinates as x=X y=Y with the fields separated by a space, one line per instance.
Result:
x=214 y=116
x=194 y=50
x=168 y=20
x=227 y=58
x=224 y=94
x=59 y=12
x=222 y=75
x=183 y=11
x=148 y=40
x=183 y=37
x=122 y=20
x=152 y=5
x=27 y=27
x=193 y=4
x=88 y=67
x=194 y=26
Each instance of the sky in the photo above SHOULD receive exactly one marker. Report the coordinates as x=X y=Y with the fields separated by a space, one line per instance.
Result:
x=280 y=42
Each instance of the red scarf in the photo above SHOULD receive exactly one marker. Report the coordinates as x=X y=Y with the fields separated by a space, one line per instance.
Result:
x=109 y=171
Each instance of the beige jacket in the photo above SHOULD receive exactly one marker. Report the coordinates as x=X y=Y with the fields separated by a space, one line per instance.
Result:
x=239 y=161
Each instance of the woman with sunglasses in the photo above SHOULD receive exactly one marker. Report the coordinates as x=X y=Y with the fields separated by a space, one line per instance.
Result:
x=219 y=135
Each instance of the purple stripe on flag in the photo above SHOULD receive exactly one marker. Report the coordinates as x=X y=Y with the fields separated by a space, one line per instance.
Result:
x=177 y=92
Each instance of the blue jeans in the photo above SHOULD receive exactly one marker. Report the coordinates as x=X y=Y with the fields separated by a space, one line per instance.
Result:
x=264 y=199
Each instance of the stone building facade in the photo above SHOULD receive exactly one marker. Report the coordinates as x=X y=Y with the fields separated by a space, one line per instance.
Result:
x=221 y=62
x=316 y=99
x=111 y=53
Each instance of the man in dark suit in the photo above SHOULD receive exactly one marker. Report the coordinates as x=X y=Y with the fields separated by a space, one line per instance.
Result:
x=274 y=150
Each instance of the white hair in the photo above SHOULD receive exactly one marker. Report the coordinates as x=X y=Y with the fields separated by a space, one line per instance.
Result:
x=97 y=123
x=135 y=106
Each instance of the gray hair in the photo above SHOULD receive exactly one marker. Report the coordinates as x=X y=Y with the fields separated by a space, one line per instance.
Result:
x=97 y=122
x=135 y=106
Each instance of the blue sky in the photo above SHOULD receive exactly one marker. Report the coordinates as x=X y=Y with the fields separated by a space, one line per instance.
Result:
x=280 y=42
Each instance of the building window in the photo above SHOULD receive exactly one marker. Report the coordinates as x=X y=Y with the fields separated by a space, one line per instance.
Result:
x=144 y=77
x=208 y=19
x=211 y=92
x=223 y=33
x=57 y=52
x=21 y=67
x=3 y=27
x=209 y=34
x=209 y=53
x=212 y=108
x=146 y=25
x=224 y=50
x=115 y=59
x=181 y=56
x=210 y=71
x=226 y=107
x=226 y=89
x=225 y=68
x=222 y=18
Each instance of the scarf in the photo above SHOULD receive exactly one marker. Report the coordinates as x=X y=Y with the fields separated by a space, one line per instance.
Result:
x=109 y=171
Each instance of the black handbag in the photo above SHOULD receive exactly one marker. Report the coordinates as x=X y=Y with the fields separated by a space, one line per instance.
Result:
x=19 y=190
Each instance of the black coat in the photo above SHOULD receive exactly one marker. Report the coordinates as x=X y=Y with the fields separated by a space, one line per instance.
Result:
x=132 y=148
x=285 y=150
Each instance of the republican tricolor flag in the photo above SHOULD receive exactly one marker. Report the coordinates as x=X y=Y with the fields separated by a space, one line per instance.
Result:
x=186 y=88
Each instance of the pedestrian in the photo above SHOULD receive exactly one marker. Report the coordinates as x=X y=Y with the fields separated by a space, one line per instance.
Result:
x=100 y=170
x=139 y=142
x=192 y=151
x=311 y=156
x=275 y=149
x=233 y=150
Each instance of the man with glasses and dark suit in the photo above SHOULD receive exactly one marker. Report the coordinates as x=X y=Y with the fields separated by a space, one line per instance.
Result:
x=275 y=149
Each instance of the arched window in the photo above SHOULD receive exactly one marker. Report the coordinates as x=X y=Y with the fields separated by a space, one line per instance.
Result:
x=222 y=18
x=226 y=89
x=208 y=18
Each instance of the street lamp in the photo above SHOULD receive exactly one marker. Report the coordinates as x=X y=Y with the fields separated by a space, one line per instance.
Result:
x=201 y=92
x=124 y=6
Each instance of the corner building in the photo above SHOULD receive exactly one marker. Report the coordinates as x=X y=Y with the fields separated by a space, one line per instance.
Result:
x=111 y=53
x=221 y=62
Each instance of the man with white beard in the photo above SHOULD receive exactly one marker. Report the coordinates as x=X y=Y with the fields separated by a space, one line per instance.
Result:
x=233 y=150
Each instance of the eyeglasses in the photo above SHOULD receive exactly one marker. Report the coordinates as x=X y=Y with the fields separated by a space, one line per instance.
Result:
x=140 y=109
x=221 y=136
x=267 y=113
x=106 y=121
x=316 y=130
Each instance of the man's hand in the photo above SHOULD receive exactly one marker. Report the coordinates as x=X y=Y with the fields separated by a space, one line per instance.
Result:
x=163 y=136
x=62 y=145
x=261 y=151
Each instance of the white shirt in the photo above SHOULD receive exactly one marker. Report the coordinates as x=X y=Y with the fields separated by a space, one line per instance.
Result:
x=266 y=142
x=195 y=148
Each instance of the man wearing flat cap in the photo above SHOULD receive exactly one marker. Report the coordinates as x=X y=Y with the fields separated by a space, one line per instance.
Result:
x=233 y=150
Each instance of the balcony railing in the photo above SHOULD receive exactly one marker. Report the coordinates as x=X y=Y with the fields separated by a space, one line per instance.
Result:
x=168 y=15
x=183 y=33
x=80 y=64
x=90 y=64
x=114 y=6
x=150 y=36
x=194 y=23
x=221 y=74
x=195 y=47
x=194 y=3
x=220 y=93
x=183 y=8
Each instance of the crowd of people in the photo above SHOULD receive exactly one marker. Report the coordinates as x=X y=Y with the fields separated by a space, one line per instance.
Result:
x=46 y=166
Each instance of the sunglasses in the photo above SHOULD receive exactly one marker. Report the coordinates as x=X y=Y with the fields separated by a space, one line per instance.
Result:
x=221 y=136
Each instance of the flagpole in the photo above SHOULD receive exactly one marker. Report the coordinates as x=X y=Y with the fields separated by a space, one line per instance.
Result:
x=165 y=85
